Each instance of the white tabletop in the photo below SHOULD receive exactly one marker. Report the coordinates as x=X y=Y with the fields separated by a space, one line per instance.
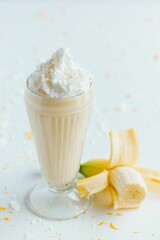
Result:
x=120 y=44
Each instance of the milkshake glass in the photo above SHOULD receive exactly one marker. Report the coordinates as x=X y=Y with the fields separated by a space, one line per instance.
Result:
x=59 y=129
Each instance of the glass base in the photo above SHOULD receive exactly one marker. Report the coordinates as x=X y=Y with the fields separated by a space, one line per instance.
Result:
x=56 y=205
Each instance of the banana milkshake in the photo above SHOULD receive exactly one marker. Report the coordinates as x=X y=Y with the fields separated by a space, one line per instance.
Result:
x=58 y=99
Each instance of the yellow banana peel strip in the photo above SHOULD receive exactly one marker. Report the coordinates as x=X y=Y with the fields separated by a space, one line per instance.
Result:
x=149 y=173
x=151 y=178
x=94 y=184
x=93 y=167
x=124 y=148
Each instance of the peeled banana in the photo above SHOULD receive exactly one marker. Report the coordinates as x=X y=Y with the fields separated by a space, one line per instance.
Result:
x=129 y=184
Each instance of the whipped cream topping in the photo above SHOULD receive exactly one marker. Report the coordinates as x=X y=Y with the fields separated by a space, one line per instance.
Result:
x=59 y=77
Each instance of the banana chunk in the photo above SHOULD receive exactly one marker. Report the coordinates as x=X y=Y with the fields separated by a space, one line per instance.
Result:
x=129 y=184
x=124 y=148
x=94 y=184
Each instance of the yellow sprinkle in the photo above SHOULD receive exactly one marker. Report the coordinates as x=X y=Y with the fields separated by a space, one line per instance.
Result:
x=119 y=214
x=2 y=208
x=110 y=213
x=6 y=218
x=136 y=232
x=84 y=212
x=113 y=227
x=93 y=216
x=10 y=212
x=100 y=223
x=29 y=135
x=75 y=217
x=41 y=14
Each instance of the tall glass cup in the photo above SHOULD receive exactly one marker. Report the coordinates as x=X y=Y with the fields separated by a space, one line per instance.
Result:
x=59 y=129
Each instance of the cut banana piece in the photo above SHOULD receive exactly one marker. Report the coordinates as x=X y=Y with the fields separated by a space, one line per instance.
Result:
x=109 y=198
x=151 y=178
x=129 y=184
x=93 y=167
x=94 y=184
x=124 y=148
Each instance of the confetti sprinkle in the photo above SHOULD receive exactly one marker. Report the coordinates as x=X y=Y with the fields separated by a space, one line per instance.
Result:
x=110 y=213
x=28 y=135
x=75 y=217
x=41 y=14
x=2 y=208
x=113 y=227
x=100 y=223
x=136 y=232
x=135 y=109
x=65 y=33
x=6 y=218
x=156 y=57
x=119 y=214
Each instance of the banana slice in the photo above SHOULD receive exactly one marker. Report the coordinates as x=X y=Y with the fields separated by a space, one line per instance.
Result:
x=93 y=167
x=151 y=178
x=94 y=184
x=109 y=198
x=129 y=184
x=124 y=148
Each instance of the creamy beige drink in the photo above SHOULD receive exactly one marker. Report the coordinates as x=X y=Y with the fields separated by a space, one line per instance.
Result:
x=58 y=99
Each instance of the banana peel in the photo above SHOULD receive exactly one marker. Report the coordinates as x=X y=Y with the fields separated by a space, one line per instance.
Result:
x=151 y=178
x=94 y=184
x=124 y=152
x=94 y=167
x=127 y=184
x=124 y=148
